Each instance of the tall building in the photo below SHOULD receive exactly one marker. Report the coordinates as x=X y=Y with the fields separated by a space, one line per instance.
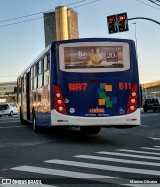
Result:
x=62 y=24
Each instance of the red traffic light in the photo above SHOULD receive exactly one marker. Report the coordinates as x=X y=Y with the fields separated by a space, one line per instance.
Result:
x=112 y=25
x=121 y=18
x=110 y=19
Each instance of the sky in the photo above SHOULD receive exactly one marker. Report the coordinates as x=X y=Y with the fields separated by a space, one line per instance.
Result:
x=22 y=42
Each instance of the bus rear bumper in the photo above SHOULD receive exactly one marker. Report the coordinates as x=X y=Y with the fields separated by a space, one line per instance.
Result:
x=129 y=120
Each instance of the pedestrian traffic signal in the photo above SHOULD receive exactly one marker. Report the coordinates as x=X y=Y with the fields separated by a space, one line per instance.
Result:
x=112 y=26
x=117 y=23
x=122 y=22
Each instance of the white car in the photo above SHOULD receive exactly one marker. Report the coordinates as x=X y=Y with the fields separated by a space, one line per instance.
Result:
x=8 y=109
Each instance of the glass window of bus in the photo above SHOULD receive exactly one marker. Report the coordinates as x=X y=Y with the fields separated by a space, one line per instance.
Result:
x=46 y=78
x=39 y=67
x=40 y=80
x=46 y=62
x=19 y=85
x=32 y=72
x=35 y=70
x=24 y=83
x=35 y=83
x=95 y=57
x=32 y=84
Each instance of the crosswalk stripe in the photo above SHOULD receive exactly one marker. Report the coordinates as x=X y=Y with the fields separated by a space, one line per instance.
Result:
x=105 y=167
x=78 y=175
x=134 y=151
x=150 y=148
x=157 y=146
x=64 y=173
x=129 y=155
x=118 y=160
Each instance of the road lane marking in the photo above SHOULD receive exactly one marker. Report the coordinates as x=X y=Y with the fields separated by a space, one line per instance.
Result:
x=149 y=115
x=105 y=167
x=154 y=138
x=11 y=127
x=134 y=151
x=129 y=155
x=10 y=121
x=57 y=172
x=118 y=160
x=150 y=148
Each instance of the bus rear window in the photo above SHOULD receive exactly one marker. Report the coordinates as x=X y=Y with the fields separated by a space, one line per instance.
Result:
x=94 y=57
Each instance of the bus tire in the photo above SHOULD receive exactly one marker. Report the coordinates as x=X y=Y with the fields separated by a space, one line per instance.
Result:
x=90 y=130
x=36 y=129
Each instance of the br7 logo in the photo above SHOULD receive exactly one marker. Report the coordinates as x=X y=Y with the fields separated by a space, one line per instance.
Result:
x=77 y=86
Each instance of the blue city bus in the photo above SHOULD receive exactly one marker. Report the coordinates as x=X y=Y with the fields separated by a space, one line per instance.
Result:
x=88 y=83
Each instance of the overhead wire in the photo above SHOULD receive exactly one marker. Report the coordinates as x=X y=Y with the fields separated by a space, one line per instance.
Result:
x=33 y=14
x=154 y=2
x=25 y=16
x=147 y=4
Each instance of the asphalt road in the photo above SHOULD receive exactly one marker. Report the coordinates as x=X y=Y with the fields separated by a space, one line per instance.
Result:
x=65 y=157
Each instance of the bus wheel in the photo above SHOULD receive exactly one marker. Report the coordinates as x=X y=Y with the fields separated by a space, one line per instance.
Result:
x=90 y=130
x=34 y=123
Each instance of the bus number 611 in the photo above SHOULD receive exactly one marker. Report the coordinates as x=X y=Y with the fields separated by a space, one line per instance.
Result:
x=124 y=85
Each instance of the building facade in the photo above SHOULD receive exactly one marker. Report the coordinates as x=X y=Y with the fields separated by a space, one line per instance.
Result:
x=8 y=92
x=62 y=24
x=150 y=90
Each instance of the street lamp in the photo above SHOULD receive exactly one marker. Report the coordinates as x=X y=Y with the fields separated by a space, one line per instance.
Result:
x=136 y=37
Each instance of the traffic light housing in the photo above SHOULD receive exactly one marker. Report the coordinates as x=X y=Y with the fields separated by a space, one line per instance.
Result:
x=117 y=23
x=122 y=22
x=112 y=24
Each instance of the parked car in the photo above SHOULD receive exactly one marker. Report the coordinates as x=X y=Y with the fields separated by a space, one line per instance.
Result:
x=152 y=104
x=8 y=109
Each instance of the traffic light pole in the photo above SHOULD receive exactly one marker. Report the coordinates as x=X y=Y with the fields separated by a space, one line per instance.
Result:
x=145 y=19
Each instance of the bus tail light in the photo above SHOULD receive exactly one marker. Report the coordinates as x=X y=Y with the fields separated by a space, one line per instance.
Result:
x=133 y=99
x=58 y=99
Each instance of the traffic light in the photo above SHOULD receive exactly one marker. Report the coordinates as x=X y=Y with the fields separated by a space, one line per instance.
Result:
x=122 y=22
x=112 y=24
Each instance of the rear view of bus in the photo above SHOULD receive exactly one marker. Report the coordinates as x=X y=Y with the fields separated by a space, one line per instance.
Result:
x=96 y=84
